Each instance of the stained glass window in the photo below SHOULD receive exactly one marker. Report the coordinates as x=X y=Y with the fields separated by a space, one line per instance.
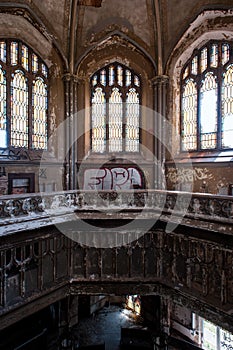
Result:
x=207 y=98
x=23 y=121
x=115 y=109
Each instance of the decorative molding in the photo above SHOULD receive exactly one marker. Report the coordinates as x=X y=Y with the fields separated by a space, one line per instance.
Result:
x=94 y=3
x=23 y=10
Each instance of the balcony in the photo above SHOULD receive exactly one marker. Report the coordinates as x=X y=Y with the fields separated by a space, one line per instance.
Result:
x=175 y=244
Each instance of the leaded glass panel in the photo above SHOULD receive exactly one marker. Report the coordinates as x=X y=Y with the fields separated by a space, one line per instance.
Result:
x=128 y=77
x=103 y=77
x=194 y=65
x=208 y=112
x=14 y=53
x=19 y=110
x=115 y=121
x=98 y=110
x=225 y=53
x=136 y=81
x=3 y=51
x=189 y=116
x=214 y=55
x=3 y=130
x=94 y=80
x=44 y=70
x=186 y=72
x=120 y=75
x=39 y=119
x=132 y=121
x=203 y=59
x=111 y=75
x=35 y=63
x=25 y=57
x=227 y=109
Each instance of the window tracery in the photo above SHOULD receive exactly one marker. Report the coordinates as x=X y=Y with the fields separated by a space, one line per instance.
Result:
x=115 y=109
x=23 y=97
x=207 y=99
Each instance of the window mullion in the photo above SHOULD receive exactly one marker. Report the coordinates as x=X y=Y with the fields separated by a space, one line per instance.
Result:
x=8 y=106
x=198 y=115
x=219 y=110
x=107 y=120
x=123 y=121
x=30 y=113
x=8 y=96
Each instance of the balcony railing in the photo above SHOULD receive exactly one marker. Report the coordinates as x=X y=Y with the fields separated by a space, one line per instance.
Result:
x=46 y=265
x=16 y=209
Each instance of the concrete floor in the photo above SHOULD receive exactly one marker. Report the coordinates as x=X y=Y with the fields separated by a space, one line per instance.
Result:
x=105 y=326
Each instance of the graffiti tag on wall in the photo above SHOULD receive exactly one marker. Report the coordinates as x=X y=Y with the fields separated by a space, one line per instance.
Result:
x=112 y=179
x=182 y=175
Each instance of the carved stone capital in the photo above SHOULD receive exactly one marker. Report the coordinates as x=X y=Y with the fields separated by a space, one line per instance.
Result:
x=159 y=80
x=71 y=77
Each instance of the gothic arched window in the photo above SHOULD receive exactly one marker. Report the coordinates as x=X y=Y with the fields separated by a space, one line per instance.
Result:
x=207 y=99
x=23 y=97
x=115 y=109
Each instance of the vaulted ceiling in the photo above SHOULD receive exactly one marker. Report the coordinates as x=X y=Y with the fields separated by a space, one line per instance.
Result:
x=78 y=25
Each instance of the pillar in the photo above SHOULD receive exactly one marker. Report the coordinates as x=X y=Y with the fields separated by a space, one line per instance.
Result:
x=71 y=83
x=160 y=84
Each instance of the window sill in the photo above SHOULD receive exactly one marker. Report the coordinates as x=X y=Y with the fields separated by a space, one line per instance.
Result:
x=213 y=157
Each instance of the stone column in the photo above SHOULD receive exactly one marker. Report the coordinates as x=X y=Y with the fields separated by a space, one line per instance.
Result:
x=160 y=84
x=71 y=82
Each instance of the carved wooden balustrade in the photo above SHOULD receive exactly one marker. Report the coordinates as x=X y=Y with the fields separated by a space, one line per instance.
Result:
x=198 y=206
x=191 y=262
